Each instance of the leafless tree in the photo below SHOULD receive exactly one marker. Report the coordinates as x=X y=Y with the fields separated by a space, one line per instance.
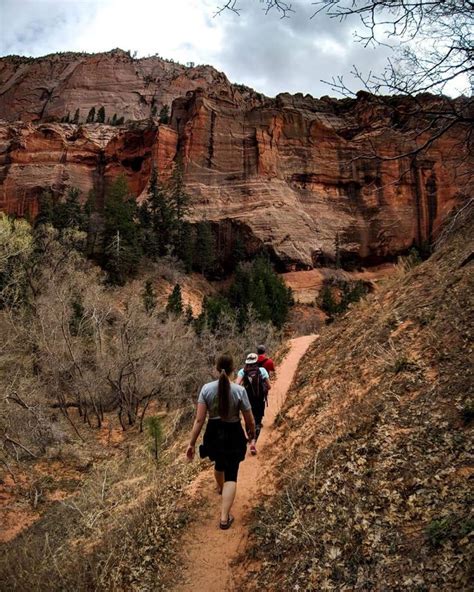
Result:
x=433 y=47
x=442 y=30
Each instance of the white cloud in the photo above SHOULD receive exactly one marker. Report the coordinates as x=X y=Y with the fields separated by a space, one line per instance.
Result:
x=262 y=51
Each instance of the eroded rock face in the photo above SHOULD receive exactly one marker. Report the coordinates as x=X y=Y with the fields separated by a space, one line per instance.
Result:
x=292 y=173
x=47 y=89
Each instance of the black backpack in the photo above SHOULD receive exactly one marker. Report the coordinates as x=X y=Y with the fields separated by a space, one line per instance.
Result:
x=254 y=384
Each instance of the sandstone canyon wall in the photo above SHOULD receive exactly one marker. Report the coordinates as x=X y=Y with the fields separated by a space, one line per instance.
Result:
x=290 y=173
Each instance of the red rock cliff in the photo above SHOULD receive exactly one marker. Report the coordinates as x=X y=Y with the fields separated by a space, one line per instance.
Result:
x=293 y=172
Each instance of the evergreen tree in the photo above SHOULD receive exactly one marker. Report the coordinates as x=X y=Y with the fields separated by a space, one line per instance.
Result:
x=239 y=251
x=186 y=247
x=164 y=114
x=179 y=198
x=120 y=120
x=213 y=308
x=175 y=301
x=101 y=115
x=155 y=431
x=45 y=209
x=179 y=205
x=91 y=116
x=157 y=219
x=77 y=316
x=205 y=250
x=114 y=119
x=76 y=117
x=326 y=301
x=70 y=214
x=154 y=111
x=189 y=317
x=121 y=244
x=149 y=297
x=257 y=285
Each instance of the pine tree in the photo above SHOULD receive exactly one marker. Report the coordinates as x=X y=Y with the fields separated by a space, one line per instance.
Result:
x=149 y=297
x=179 y=205
x=76 y=319
x=239 y=251
x=46 y=209
x=121 y=244
x=101 y=115
x=164 y=114
x=157 y=220
x=326 y=301
x=156 y=433
x=257 y=285
x=76 y=117
x=91 y=116
x=120 y=120
x=72 y=212
x=175 y=301
x=205 y=249
x=186 y=247
x=114 y=119
x=189 y=317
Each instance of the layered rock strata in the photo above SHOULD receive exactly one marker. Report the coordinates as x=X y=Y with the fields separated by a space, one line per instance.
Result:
x=303 y=176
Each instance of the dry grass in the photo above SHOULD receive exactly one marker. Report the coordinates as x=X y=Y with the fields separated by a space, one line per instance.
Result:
x=117 y=529
x=378 y=494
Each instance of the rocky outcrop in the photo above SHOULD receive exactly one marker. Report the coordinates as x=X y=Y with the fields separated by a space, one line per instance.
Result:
x=48 y=88
x=302 y=176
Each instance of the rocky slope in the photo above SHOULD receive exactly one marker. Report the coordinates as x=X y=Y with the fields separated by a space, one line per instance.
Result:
x=378 y=494
x=291 y=173
x=48 y=88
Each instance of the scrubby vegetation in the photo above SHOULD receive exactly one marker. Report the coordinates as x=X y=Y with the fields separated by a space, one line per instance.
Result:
x=84 y=362
x=338 y=293
x=378 y=494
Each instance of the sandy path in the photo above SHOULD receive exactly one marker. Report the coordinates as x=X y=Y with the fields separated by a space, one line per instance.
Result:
x=209 y=551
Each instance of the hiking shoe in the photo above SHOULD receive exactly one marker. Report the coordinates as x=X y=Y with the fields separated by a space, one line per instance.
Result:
x=253 y=449
x=228 y=524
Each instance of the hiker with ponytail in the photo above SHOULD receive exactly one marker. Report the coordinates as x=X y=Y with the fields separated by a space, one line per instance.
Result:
x=224 y=440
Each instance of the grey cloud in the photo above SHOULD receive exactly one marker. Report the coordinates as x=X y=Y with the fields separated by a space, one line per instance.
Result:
x=263 y=51
x=277 y=55
x=38 y=27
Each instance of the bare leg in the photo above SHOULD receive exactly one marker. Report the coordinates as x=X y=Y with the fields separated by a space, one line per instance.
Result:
x=219 y=477
x=228 y=496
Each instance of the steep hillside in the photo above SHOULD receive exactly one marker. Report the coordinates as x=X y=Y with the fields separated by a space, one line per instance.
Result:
x=378 y=494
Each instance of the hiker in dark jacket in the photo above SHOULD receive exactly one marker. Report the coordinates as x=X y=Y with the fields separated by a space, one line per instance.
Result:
x=256 y=381
x=224 y=440
x=263 y=360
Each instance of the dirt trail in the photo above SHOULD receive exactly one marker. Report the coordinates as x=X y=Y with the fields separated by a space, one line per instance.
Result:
x=208 y=551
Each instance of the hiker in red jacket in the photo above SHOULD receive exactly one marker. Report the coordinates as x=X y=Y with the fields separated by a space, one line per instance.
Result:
x=264 y=361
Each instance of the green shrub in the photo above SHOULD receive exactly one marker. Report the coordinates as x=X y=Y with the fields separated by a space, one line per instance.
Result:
x=155 y=431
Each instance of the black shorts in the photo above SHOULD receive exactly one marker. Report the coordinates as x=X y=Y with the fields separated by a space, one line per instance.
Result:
x=225 y=444
x=230 y=469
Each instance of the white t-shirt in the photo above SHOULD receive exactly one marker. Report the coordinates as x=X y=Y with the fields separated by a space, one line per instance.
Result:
x=239 y=401
x=264 y=374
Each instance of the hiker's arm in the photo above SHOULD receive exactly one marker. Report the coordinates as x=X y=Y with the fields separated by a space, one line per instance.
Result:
x=238 y=379
x=197 y=427
x=249 y=424
x=266 y=378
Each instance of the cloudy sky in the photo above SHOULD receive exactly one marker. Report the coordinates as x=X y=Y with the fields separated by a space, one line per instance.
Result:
x=263 y=51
